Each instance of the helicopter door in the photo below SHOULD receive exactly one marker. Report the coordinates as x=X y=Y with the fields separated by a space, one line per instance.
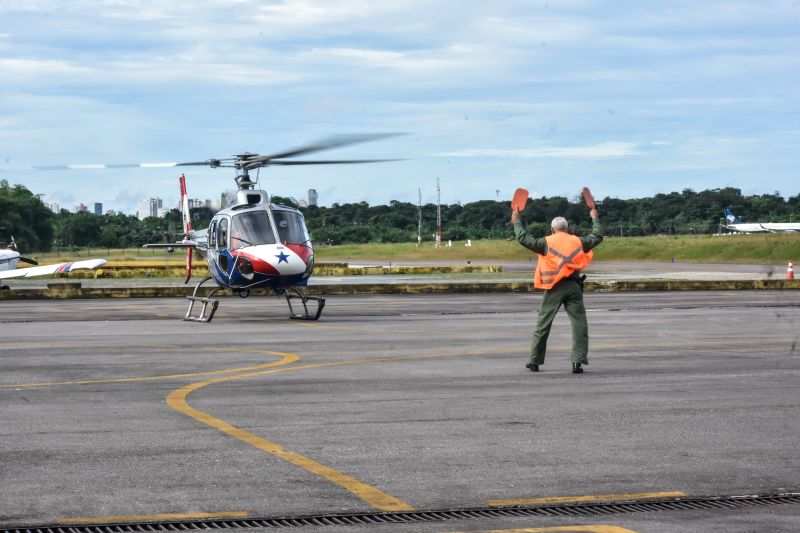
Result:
x=212 y=244
x=221 y=245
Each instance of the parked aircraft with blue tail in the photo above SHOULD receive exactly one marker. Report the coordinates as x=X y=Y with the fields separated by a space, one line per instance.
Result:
x=733 y=223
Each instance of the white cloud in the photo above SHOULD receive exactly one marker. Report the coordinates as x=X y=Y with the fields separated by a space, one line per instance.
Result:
x=36 y=68
x=502 y=89
x=608 y=149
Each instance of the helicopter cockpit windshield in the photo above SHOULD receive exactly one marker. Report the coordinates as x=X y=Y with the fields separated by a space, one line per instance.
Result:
x=251 y=229
x=291 y=227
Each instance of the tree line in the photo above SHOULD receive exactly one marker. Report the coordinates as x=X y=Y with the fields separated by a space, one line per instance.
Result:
x=686 y=212
x=36 y=228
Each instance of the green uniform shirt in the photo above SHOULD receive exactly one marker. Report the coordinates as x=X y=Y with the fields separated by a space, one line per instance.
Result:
x=539 y=244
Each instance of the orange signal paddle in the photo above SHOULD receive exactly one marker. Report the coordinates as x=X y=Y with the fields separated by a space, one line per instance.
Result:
x=520 y=200
x=588 y=198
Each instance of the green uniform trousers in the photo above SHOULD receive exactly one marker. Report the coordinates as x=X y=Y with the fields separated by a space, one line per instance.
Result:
x=569 y=293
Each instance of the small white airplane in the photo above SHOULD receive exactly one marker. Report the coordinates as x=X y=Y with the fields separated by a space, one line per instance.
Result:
x=10 y=258
x=734 y=224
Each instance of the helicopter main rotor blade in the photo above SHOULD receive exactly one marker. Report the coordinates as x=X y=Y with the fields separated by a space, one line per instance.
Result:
x=324 y=144
x=92 y=166
x=331 y=162
x=246 y=160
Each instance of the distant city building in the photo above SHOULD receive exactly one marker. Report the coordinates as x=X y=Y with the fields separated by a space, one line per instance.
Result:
x=111 y=213
x=312 y=197
x=80 y=208
x=54 y=207
x=98 y=208
x=149 y=207
x=302 y=203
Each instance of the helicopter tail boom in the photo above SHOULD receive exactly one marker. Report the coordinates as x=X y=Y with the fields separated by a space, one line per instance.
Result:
x=187 y=226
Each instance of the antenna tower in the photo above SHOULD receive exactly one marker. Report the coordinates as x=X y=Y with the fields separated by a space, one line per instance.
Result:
x=419 y=218
x=438 y=214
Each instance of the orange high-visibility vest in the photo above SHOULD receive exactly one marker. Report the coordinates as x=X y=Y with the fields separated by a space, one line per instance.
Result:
x=564 y=256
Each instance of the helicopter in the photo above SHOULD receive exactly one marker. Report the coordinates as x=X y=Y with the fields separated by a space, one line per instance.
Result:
x=254 y=243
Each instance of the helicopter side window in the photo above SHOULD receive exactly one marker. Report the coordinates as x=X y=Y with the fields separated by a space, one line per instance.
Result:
x=212 y=235
x=222 y=236
x=291 y=227
x=250 y=229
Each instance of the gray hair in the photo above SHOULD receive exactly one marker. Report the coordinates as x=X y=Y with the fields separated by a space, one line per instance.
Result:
x=559 y=224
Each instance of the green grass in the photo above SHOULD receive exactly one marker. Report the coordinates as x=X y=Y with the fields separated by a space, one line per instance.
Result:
x=775 y=248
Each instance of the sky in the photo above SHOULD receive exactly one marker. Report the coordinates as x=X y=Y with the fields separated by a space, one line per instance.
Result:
x=630 y=98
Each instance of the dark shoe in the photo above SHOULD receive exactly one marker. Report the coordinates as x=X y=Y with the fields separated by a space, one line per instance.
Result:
x=576 y=368
x=532 y=367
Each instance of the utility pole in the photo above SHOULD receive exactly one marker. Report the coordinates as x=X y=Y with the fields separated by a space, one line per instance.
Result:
x=419 y=218
x=438 y=214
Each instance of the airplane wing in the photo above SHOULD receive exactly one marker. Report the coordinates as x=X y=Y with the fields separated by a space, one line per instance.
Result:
x=58 y=268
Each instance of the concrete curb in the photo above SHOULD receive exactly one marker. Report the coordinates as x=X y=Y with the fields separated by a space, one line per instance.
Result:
x=60 y=290
x=178 y=270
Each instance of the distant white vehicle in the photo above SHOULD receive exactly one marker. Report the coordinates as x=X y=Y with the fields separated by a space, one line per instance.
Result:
x=734 y=224
x=10 y=258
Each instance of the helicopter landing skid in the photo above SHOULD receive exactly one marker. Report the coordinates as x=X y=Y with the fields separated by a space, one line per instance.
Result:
x=206 y=314
x=294 y=294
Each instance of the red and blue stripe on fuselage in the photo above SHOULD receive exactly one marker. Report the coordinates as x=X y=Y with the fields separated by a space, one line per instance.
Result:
x=264 y=266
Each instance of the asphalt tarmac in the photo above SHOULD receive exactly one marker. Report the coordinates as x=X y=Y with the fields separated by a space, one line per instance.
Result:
x=116 y=410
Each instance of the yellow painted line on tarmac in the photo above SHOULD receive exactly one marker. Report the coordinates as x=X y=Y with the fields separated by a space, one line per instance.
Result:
x=599 y=528
x=373 y=496
x=323 y=325
x=153 y=517
x=591 y=498
x=177 y=399
x=355 y=327
x=522 y=351
x=285 y=359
